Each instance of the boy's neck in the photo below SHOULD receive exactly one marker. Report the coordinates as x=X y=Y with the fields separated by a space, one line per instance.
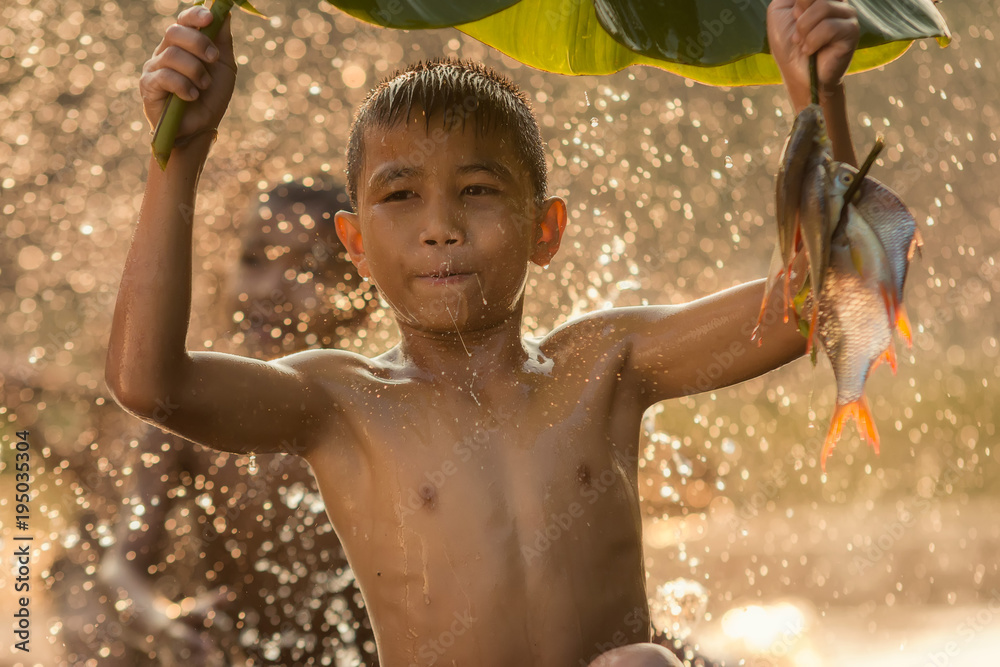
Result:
x=455 y=356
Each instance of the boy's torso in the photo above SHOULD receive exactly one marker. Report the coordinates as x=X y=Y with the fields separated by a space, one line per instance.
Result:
x=495 y=523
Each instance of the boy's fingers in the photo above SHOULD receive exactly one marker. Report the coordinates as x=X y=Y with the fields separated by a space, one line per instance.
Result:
x=822 y=11
x=156 y=84
x=195 y=17
x=829 y=32
x=801 y=6
x=178 y=59
x=191 y=40
x=224 y=42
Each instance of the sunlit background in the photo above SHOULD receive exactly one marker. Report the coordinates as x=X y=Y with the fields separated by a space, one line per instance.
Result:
x=752 y=552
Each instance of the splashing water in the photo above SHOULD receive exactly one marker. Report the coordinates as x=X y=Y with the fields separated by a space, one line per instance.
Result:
x=745 y=512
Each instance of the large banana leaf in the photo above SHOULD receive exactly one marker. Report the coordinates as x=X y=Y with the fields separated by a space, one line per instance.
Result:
x=720 y=42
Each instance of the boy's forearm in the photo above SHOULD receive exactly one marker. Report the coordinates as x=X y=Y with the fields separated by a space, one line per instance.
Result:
x=147 y=344
x=834 y=106
x=837 y=125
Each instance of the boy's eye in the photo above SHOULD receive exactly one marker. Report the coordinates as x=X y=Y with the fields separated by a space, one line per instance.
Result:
x=398 y=195
x=479 y=190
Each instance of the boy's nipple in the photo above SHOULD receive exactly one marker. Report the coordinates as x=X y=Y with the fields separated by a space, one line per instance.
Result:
x=429 y=495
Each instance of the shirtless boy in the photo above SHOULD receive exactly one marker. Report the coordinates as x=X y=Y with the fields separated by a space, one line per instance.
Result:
x=449 y=208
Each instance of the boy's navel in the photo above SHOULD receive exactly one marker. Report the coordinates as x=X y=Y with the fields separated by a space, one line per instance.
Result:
x=583 y=474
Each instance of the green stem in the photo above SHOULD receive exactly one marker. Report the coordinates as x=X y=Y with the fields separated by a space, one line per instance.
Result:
x=855 y=185
x=859 y=179
x=813 y=79
x=173 y=112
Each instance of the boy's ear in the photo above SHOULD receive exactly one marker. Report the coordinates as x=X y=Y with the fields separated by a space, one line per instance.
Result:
x=549 y=227
x=349 y=233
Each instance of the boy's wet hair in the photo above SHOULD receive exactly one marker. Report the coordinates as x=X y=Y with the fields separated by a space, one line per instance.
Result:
x=453 y=90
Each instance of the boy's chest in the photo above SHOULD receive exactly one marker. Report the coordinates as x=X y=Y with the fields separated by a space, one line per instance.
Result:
x=458 y=456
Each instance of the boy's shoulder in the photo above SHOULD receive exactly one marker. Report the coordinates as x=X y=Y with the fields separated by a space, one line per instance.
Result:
x=326 y=364
x=608 y=326
x=347 y=370
x=597 y=331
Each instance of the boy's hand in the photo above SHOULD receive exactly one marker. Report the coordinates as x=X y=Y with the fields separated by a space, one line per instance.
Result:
x=798 y=28
x=187 y=64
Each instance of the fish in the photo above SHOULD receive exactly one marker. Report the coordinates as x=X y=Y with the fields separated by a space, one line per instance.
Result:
x=817 y=215
x=853 y=324
x=896 y=229
x=807 y=139
x=806 y=145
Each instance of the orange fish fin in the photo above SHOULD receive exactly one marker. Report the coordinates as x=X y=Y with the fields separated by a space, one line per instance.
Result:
x=888 y=356
x=755 y=334
x=812 y=329
x=861 y=413
x=788 y=295
x=915 y=245
x=867 y=422
x=889 y=299
x=903 y=325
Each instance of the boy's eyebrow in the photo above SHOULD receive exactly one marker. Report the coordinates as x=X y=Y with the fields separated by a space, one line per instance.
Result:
x=388 y=174
x=493 y=167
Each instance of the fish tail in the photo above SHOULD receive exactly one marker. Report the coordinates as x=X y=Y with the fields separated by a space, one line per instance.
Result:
x=861 y=412
x=903 y=325
x=865 y=420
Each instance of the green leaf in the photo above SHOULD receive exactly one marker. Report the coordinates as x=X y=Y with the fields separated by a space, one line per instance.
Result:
x=720 y=42
x=248 y=8
x=419 y=14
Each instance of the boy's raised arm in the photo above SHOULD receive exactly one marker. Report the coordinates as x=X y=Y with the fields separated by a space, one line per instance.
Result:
x=829 y=28
x=706 y=344
x=702 y=345
x=224 y=401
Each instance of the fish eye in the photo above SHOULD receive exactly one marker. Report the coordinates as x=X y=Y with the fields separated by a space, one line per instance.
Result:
x=847 y=178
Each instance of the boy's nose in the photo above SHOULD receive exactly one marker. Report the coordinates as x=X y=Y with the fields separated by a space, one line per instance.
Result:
x=443 y=229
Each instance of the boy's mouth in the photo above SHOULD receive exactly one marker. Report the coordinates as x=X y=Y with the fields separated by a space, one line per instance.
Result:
x=444 y=276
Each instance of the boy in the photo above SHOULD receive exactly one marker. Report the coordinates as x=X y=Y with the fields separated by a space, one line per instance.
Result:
x=443 y=460
x=292 y=270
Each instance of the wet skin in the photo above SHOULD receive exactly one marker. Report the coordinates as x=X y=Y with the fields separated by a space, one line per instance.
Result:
x=483 y=486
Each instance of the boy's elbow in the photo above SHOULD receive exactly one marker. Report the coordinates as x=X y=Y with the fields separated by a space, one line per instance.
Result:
x=132 y=390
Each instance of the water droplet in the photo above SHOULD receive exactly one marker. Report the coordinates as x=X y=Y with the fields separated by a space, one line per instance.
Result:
x=252 y=464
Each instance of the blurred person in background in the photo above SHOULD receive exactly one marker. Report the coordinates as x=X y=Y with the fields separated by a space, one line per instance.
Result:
x=220 y=560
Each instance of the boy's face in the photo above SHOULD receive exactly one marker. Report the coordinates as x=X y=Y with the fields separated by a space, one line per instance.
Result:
x=290 y=277
x=446 y=224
